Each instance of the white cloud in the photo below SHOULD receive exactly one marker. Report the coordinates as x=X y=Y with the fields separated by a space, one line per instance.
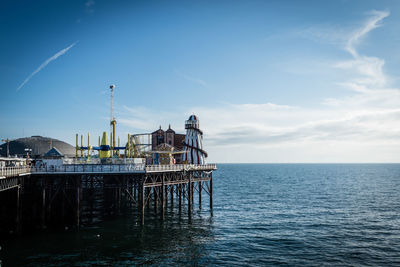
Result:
x=44 y=64
x=372 y=23
x=368 y=71
x=361 y=127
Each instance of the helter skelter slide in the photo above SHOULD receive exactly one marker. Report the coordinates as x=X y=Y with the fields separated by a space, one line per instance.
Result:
x=193 y=144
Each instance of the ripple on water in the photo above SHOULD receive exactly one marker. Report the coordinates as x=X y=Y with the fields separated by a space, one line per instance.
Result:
x=264 y=214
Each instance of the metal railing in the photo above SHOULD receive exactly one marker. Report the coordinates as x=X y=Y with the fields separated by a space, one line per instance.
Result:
x=104 y=168
x=14 y=171
x=181 y=167
x=91 y=168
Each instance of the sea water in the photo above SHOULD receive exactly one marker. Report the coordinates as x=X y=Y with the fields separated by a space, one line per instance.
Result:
x=263 y=214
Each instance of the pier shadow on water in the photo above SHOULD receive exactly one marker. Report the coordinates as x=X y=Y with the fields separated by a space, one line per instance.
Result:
x=117 y=240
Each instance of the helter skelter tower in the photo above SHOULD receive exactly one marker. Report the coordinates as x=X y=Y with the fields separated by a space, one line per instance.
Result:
x=193 y=144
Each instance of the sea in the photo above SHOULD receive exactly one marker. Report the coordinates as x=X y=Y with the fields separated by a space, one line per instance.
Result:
x=262 y=215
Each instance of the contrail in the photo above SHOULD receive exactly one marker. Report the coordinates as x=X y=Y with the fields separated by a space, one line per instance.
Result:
x=44 y=64
x=373 y=23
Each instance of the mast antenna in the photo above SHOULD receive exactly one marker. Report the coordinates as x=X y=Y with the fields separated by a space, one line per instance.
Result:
x=112 y=86
x=112 y=120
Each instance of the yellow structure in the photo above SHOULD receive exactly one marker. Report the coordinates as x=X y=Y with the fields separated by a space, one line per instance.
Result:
x=128 y=150
x=81 y=146
x=104 y=143
x=89 y=147
x=76 y=147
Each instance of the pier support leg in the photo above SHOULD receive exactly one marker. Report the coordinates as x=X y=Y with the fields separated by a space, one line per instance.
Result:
x=200 y=184
x=179 y=197
x=134 y=190
x=165 y=190
x=189 y=197
x=43 y=211
x=162 y=198
x=119 y=198
x=49 y=197
x=90 y=192
x=18 y=217
x=78 y=201
x=147 y=194
x=63 y=196
x=155 y=193
x=142 y=200
x=192 y=190
x=211 y=192
x=172 y=195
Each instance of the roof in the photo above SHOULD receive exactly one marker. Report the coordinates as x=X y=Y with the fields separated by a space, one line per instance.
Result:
x=12 y=159
x=160 y=131
x=165 y=147
x=54 y=152
x=170 y=130
x=193 y=118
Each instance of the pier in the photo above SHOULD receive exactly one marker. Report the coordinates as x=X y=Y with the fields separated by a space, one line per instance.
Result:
x=44 y=196
x=51 y=187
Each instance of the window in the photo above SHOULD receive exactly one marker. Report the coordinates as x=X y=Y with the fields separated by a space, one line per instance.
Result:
x=160 y=140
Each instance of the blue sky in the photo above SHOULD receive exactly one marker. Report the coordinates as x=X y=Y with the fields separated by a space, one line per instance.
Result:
x=271 y=81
